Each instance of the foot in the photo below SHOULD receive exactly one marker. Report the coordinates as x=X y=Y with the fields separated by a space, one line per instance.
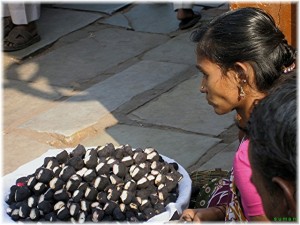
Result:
x=20 y=37
x=8 y=25
x=185 y=14
x=187 y=18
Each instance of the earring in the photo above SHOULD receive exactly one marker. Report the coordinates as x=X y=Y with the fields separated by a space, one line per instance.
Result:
x=242 y=93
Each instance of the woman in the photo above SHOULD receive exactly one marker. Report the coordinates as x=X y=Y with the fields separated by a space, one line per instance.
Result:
x=241 y=54
x=273 y=151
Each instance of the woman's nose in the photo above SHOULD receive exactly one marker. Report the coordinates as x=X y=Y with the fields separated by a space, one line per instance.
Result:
x=202 y=87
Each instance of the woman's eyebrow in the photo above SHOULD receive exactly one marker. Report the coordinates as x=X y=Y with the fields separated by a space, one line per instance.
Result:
x=199 y=68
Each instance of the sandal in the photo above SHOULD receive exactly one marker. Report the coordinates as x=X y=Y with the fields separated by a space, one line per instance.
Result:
x=20 y=37
x=8 y=25
x=189 y=22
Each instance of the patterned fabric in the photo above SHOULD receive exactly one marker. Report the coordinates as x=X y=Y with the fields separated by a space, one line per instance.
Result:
x=234 y=211
x=221 y=191
x=213 y=193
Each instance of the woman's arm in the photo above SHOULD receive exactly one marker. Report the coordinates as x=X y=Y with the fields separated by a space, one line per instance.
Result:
x=250 y=199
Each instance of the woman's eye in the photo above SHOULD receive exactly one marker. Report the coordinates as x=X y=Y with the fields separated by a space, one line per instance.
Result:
x=205 y=75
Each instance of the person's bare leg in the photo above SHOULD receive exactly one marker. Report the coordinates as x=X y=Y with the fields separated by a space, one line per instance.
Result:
x=185 y=14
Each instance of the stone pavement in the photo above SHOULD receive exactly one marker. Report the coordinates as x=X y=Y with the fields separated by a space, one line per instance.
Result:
x=119 y=73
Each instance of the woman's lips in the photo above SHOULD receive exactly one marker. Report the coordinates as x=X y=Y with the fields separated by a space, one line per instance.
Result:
x=209 y=102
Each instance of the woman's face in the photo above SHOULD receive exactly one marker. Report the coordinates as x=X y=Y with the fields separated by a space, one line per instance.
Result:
x=222 y=91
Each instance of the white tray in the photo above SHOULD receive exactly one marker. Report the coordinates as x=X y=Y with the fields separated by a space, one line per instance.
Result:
x=182 y=201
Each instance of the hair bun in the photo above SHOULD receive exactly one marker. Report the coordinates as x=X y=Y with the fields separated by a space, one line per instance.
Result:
x=288 y=68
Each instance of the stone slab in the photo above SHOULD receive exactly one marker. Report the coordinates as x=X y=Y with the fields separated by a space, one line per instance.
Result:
x=18 y=149
x=87 y=58
x=212 y=4
x=212 y=12
x=223 y=160
x=86 y=108
x=119 y=20
x=22 y=100
x=147 y=17
x=186 y=149
x=184 y=107
x=178 y=50
x=98 y=7
x=53 y=24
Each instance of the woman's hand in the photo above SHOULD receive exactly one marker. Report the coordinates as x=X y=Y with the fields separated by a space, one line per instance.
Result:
x=188 y=215
x=205 y=214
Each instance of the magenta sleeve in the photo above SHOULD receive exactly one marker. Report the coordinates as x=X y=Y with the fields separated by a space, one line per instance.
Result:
x=250 y=198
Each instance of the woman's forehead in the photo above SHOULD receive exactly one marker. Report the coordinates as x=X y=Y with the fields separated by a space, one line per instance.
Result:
x=204 y=64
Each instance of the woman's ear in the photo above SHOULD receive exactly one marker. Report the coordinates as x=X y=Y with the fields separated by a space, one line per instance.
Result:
x=289 y=192
x=243 y=71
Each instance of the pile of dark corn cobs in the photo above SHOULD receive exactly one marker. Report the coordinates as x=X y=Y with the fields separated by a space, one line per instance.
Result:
x=106 y=183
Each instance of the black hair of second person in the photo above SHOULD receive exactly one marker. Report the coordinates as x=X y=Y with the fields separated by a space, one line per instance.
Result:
x=246 y=35
x=272 y=130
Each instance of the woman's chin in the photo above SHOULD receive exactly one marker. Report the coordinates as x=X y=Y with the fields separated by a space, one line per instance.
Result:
x=219 y=112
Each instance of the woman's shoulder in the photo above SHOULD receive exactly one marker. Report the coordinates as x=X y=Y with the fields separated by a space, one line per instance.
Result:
x=244 y=144
x=242 y=152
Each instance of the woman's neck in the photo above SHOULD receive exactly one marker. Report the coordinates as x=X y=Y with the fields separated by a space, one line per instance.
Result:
x=244 y=111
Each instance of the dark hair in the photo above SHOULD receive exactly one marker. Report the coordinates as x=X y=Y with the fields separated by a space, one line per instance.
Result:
x=272 y=130
x=246 y=35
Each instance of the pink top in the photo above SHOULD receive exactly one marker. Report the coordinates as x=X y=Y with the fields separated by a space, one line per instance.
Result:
x=251 y=200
